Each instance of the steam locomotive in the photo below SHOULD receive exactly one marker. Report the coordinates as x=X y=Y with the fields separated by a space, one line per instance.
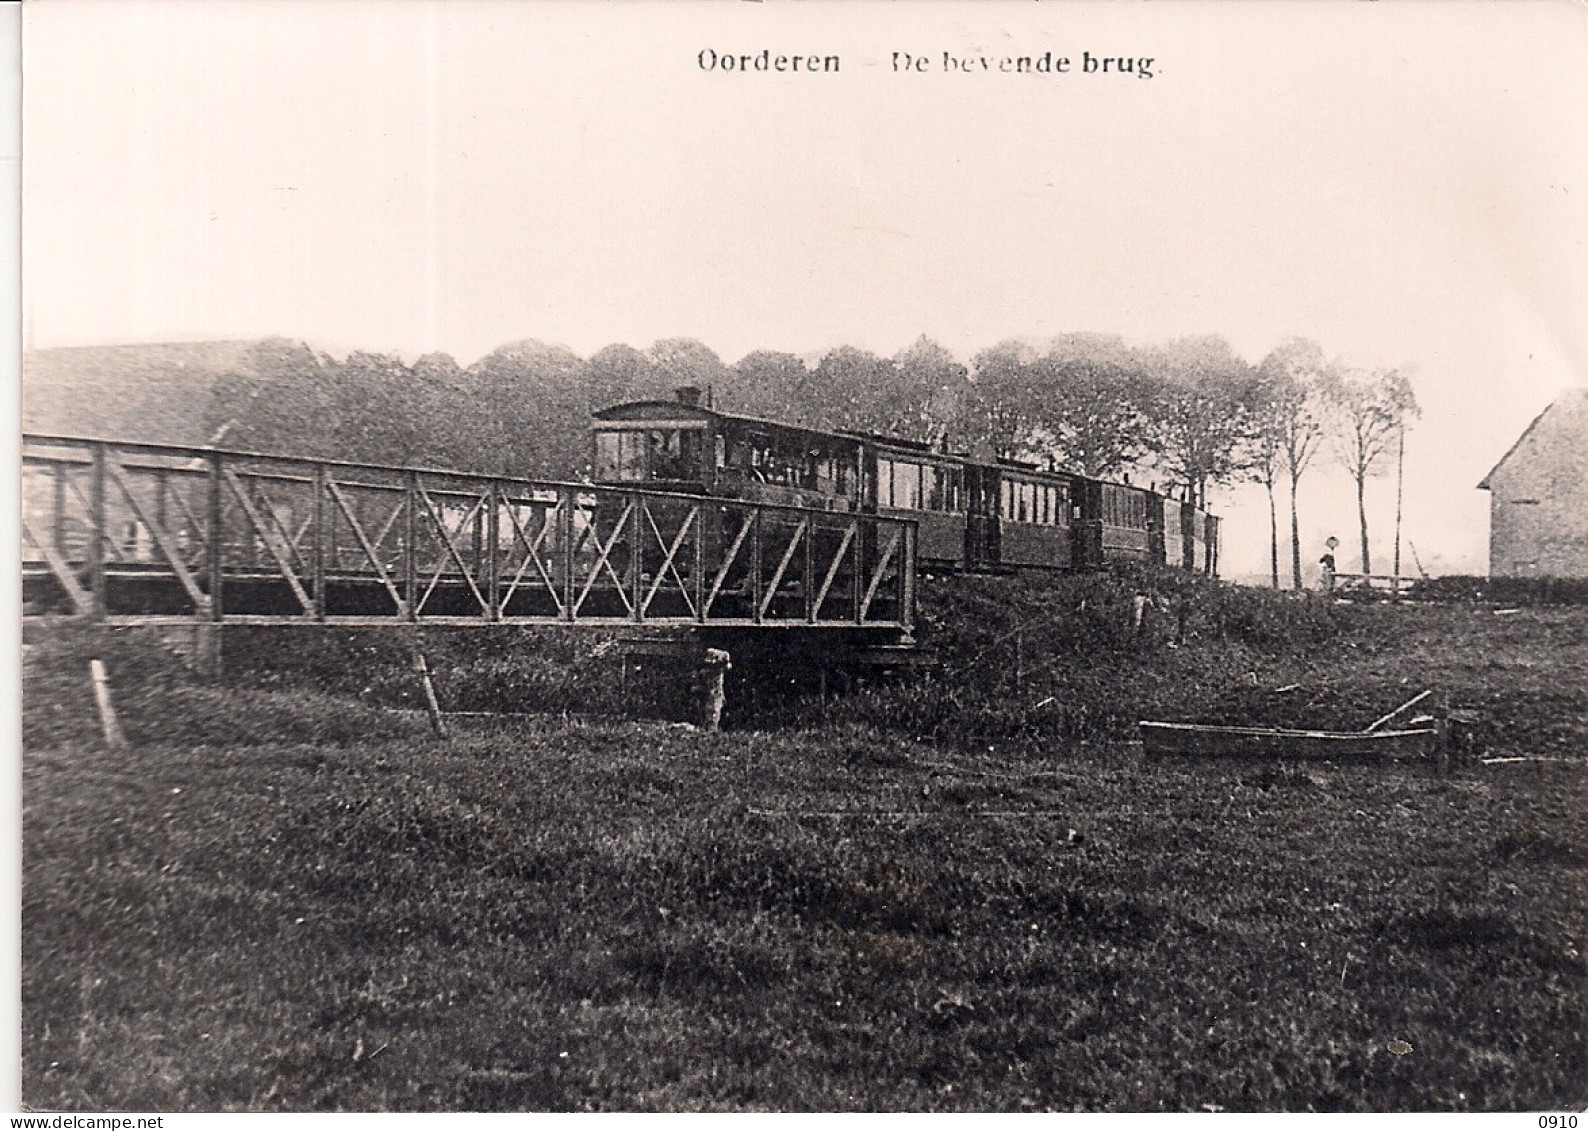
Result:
x=973 y=512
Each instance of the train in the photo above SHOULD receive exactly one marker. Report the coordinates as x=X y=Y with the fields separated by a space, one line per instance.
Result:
x=974 y=512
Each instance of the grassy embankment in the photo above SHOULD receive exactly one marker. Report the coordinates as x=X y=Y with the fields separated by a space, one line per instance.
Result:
x=942 y=896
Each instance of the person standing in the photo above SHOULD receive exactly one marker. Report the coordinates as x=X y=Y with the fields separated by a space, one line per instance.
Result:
x=1326 y=565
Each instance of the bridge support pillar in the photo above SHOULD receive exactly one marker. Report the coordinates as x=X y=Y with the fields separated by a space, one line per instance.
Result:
x=199 y=646
x=714 y=665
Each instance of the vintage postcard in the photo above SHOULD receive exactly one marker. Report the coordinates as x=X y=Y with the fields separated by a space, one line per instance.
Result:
x=803 y=557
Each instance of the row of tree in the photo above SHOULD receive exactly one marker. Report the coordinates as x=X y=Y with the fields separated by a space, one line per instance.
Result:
x=1190 y=413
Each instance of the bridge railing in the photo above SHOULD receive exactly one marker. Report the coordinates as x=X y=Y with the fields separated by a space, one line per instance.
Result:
x=114 y=530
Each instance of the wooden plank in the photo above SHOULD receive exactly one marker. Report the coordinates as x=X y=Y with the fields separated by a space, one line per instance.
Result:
x=114 y=738
x=1398 y=711
x=1190 y=738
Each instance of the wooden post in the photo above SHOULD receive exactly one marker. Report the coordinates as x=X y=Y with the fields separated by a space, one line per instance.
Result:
x=569 y=498
x=437 y=723
x=755 y=565
x=493 y=563
x=162 y=491
x=715 y=665
x=97 y=534
x=58 y=506
x=317 y=549
x=808 y=583
x=114 y=739
x=701 y=518
x=215 y=538
x=636 y=556
x=1400 y=472
x=907 y=577
x=410 y=548
x=864 y=535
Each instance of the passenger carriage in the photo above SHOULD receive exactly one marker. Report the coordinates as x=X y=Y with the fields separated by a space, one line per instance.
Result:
x=970 y=513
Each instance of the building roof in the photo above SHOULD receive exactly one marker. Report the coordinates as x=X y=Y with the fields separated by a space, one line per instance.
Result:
x=155 y=392
x=1572 y=398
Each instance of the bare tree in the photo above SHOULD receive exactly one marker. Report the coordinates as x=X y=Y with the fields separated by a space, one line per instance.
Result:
x=1369 y=409
x=1294 y=374
x=1265 y=458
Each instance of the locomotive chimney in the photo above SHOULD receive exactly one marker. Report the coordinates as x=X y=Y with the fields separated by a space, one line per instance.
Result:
x=688 y=395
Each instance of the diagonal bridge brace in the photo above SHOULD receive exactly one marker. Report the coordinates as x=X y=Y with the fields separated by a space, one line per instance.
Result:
x=667 y=563
x=162 y=539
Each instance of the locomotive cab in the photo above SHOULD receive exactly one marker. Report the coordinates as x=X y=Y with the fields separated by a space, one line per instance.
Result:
x=659 y=444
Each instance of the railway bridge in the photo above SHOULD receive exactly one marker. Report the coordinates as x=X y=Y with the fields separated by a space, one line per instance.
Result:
x=123 y=533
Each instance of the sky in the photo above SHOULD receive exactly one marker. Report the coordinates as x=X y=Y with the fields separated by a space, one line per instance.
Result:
x=1405 y=182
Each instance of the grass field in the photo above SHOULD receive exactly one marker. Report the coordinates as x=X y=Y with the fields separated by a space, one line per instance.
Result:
x=921 y=897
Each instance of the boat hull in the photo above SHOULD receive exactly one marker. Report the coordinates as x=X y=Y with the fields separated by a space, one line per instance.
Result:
x=1274 y=742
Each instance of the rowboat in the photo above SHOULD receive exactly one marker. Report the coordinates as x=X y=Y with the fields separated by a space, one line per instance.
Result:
x=1278 y=742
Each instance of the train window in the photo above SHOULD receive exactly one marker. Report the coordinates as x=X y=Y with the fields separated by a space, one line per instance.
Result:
x=907 y=485
x=825 y=472
x=844 y=477
x=1123 y=506
x=624 y=456
x=674 y=454
x=942 y=490
x=631 y=456
x=934 y=488
x=1007 y=509
x=606 y=455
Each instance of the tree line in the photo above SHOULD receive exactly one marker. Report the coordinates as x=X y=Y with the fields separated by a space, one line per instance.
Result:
x=1188 y=414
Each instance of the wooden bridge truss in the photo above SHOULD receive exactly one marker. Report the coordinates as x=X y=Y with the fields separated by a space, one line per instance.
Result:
x=142 y=533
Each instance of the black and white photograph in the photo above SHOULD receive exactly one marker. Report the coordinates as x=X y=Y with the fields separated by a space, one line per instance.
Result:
x=787 y=556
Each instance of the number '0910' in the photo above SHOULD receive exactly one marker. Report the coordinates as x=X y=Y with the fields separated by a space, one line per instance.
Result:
x=1557 y=1122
